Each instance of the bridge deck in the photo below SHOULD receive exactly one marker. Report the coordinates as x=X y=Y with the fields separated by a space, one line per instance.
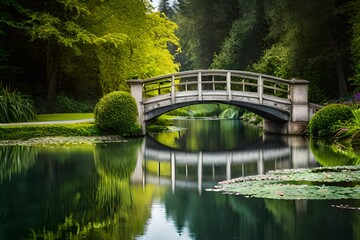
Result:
x=283 y=103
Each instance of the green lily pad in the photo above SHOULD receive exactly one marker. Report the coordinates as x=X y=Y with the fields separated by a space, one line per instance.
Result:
x=318 y=183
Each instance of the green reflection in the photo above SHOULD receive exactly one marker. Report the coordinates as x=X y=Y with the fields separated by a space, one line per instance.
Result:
x=73 y=191
x=213 y=216
x=329 y=154
x=117 y=160
x=210 y=135
x=15 y=159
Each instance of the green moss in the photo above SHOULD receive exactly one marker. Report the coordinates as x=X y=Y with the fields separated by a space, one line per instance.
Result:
x=117 y=113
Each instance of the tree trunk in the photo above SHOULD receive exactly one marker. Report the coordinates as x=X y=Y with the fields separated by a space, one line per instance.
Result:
x=341 y=77
x=52 y=63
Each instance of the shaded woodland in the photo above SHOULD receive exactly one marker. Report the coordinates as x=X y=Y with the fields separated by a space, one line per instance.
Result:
x=84 y=49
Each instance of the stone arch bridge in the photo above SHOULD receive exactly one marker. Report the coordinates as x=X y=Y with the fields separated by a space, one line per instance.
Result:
x=282 y=103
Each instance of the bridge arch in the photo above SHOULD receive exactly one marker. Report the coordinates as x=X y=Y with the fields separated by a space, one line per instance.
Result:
x=282 y=103
x=265 y=112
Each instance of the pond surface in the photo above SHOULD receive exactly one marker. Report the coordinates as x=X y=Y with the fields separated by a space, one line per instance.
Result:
x=154 y=188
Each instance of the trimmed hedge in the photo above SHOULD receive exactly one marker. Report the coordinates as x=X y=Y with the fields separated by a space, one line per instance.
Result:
x=117 y=113
x=324 y=123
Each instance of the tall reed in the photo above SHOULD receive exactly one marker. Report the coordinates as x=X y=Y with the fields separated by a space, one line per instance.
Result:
x=15 y=107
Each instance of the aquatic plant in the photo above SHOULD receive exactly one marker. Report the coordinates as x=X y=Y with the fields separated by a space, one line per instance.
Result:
x=318 y=183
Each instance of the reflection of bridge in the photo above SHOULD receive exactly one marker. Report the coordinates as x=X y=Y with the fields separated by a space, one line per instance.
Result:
x=282 y=103
x=289 y=154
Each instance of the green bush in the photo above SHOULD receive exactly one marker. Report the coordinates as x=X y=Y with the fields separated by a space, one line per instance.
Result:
x=15 y=107
x=326 y=121
x=64 y=104
x=252 y=118
x=117 y=113
x=179 y=112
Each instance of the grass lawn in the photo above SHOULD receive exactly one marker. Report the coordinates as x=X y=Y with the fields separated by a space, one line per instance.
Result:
x=64 y=116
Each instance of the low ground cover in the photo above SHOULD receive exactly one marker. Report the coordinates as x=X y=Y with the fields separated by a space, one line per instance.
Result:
x=48 y=130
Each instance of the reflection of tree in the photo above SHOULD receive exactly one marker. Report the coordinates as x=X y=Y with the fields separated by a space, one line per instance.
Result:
x=356 y=226
x=88 y=195
x=15 y=159
x=328 y=155
x=284 y=218
x=216 y=216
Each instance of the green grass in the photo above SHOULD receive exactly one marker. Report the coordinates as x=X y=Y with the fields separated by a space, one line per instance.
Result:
x=64 y=116
x=48 y=130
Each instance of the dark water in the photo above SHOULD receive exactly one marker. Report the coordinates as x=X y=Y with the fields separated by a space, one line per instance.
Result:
x=155 y=188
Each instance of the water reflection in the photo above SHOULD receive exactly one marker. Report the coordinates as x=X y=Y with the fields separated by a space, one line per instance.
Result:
x=143 y=189
x=191 y=159
x=215 y=216
x=211 y=135
x=331 y=154
x=15 y=159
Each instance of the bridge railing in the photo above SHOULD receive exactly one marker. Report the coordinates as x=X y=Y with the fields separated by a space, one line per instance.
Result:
x=222 y=80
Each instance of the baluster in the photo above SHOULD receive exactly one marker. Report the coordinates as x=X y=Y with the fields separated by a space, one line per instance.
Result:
x=172 y=89
x=275 y=89
x=260 y=89
x=199 y=87
x=213 y=80
x=228 y=86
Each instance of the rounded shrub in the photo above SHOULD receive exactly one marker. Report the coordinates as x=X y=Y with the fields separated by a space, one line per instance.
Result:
x=117 y=113
x=324 y=123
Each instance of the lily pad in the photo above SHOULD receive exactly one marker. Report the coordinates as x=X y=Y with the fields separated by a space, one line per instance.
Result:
x=318 y=183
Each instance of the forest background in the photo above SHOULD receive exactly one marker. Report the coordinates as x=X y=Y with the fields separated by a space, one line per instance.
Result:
x=56 y=50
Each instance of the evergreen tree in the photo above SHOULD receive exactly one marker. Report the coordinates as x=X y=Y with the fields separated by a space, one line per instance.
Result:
x=165 y=8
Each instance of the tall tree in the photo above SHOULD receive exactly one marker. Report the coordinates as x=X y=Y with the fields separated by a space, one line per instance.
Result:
x=164 y=7
x=203 y=26
x=354 y=12
x=314 y=40
x=243 y=44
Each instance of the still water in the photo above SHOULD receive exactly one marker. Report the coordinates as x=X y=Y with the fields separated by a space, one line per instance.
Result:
x=154 y=188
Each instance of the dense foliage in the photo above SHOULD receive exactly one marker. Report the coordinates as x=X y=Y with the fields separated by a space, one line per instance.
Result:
x=86 y=49
x=313 y=40
x=81 y=49
x=117 y=113
x=64 y=104
x=326 y=120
